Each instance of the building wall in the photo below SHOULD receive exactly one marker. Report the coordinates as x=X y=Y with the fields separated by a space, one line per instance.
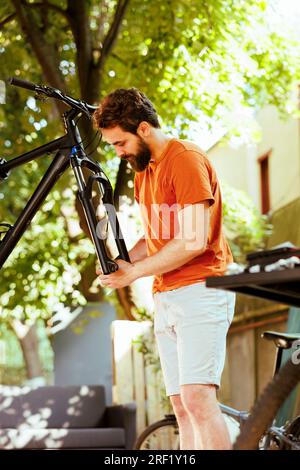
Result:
x=283 y=138
x=249 y=361
x=230 y=164
x=239 y=166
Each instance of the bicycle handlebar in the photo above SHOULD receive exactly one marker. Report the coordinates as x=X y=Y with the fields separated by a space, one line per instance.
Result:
x=53 y=93
x=21 y=83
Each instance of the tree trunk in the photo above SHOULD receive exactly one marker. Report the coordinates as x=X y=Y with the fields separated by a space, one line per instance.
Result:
x=122 y=188
x=27 y=335
x=125 y=298
x=90 y=72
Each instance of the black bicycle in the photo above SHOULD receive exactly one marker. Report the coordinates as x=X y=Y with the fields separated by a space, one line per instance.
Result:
x=248 y=431
x=69 y=152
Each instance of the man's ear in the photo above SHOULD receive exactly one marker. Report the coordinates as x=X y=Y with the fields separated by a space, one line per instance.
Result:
x=143 y=129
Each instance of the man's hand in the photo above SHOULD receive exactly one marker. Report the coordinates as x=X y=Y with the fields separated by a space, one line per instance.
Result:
x=126 y=274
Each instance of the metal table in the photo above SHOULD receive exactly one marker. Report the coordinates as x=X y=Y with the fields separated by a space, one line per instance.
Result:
x=279 y=286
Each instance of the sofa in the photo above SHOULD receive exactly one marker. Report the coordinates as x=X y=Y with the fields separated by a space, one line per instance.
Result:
x=64 y=417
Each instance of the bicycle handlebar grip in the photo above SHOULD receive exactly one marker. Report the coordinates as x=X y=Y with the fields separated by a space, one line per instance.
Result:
x=22 y=83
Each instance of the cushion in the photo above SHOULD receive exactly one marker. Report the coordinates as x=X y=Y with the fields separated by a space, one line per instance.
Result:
x=74 y=406
x=61 y=438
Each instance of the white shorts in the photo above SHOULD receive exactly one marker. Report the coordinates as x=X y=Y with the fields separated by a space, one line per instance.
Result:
x=190 y=325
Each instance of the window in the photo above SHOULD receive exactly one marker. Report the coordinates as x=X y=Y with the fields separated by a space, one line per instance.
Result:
x=263 y=162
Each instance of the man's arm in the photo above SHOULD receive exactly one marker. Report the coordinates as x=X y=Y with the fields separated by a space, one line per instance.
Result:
x=139 y=251
x=190 y=242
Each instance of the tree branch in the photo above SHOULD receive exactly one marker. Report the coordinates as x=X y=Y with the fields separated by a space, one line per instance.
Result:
x=100 y=33
x=50 y=6
x=45 y=53
x=7 y=20
x=79 y=23
x=121 y=186
x=119 y=59
x=112 y=34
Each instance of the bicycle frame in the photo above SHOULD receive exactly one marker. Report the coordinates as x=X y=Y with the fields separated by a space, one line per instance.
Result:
x=239 y=416
x=69 y=152
x=273 y=431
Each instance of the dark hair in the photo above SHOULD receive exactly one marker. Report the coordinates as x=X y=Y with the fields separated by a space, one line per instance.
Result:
x=126 y=108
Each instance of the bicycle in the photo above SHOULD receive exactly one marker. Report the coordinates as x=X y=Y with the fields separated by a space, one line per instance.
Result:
x=70 y=151
x=247 y=431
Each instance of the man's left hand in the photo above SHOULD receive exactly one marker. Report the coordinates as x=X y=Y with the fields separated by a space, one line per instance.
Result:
x=125 y=275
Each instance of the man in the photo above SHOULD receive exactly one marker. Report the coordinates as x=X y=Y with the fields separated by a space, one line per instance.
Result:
x=179 y=195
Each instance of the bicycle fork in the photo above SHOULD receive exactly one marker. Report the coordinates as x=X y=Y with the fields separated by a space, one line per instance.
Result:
x=79 y=160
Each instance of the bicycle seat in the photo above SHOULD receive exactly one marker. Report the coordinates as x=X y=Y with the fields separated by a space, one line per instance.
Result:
x=281 y=340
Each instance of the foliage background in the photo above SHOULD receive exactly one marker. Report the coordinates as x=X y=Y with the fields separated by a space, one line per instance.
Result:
x=198 y=61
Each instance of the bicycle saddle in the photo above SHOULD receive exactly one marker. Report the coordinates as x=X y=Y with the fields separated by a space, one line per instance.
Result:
x=281 y=340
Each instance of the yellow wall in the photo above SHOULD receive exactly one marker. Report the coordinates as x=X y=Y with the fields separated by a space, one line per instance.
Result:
x=284 y=165
x=239 y=167
x=230 y=164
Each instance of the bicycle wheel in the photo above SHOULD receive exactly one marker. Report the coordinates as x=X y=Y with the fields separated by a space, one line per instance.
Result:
x=161 y=435
x=164 y=434
x=267 y=405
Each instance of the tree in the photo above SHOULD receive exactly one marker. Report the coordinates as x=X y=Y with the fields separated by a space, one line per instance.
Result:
x=195 y=60
x=246 y=228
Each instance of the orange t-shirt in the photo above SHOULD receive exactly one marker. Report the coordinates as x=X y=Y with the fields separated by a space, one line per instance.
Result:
x=182 y=175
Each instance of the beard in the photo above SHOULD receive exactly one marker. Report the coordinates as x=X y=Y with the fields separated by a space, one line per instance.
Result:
x=141 y=159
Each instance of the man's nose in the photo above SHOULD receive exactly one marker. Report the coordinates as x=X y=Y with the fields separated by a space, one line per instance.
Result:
x=119 y=152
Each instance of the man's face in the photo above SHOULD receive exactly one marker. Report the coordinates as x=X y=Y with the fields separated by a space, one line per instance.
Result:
x=129 y=146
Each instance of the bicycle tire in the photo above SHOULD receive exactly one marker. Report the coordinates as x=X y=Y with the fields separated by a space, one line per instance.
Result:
x=144 y=440
x=266 y=407
x=151 y=437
